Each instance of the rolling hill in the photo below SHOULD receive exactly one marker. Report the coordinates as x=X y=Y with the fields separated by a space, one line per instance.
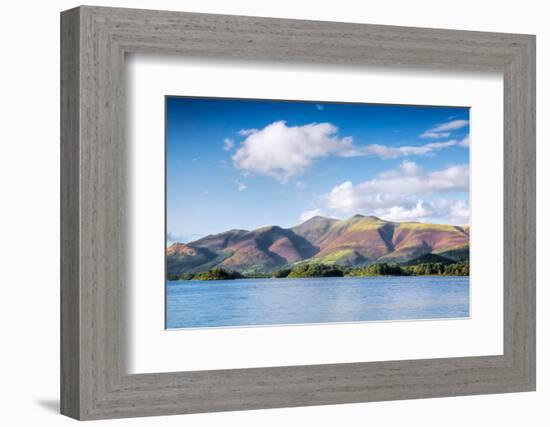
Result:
x=359 y=240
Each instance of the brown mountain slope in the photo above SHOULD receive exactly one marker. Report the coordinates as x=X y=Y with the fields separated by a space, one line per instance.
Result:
x=314 y=229
x=412 y=239
x=355 y=241
x=182 y=258
x=258 y=250
x=220 y=241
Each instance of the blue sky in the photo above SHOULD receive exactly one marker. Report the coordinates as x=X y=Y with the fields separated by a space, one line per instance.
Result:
x=234 y=163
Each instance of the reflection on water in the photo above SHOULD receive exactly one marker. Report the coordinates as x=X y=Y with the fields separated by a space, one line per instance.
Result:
x=247 y=302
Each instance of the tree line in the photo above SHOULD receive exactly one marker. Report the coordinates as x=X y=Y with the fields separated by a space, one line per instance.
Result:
x=328 y=270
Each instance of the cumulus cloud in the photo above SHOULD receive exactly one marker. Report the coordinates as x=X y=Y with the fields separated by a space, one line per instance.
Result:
x=399 y=195
x=241 y=186
x=444 y=130
x=455 y=212
x=402 y=213
x=228 y=144
x=283 y=151
x=409 y=178
x=310 y=214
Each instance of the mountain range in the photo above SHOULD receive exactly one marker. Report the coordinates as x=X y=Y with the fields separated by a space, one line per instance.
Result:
x=359 y=240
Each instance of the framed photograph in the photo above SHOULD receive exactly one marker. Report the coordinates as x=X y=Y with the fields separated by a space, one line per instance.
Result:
x=355 y=231
x=262 y=213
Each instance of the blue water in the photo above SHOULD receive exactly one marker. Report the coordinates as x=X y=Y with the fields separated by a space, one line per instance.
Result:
x=247 y=302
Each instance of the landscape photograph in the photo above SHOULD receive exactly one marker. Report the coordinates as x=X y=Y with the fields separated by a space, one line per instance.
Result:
x=308 y=212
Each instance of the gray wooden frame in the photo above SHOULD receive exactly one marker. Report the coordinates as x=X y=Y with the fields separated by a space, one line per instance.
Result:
x=94 y=382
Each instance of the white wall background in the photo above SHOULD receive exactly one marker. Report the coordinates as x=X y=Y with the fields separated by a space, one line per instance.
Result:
x=29 y=215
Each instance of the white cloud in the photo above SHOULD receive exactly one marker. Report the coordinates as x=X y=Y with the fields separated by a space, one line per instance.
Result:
x=310 y=214
x=283 y=151
x=401 y=213
x=300 y=184
x=465 y=142
x=444 y=130
x=228 y=144
x=241 y=186
x=246 y=132
x=390 y=152
x=430 y=134
x=459 y=212
x=446 y=211
x=409 y=178
x=401 y=194
x=452 y=125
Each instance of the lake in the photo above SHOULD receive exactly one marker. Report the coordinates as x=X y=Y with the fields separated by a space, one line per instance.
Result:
x=249 y=302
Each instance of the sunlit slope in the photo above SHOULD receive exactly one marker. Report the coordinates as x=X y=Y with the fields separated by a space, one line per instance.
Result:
x=358 y=240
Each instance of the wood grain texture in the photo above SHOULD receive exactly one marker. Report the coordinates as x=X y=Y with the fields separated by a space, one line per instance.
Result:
x=70 y=292
x=95 y=383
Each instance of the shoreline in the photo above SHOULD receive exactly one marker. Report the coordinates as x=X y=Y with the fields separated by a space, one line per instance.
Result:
x=298 y=278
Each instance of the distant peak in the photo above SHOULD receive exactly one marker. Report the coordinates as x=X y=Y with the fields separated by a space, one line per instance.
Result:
x=317 y=218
